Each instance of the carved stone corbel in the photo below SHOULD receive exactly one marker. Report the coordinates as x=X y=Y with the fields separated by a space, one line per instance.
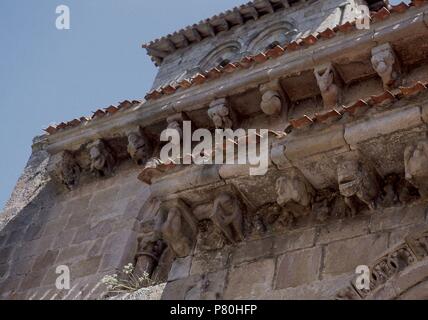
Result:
x=295 y=195
x=178 y=227
x=176 y=122
x=274 y=101
x=227 y=216
x=385 y=63
x=357 y=180
x=102 y=158
x=139 y=146
x=221 y=114
x=329 y=85
x=416 y=166
x=64 y=168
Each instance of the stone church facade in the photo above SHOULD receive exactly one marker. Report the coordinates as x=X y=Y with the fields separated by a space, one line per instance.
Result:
x=347 y=182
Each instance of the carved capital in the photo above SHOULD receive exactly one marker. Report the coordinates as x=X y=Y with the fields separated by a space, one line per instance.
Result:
x=416 y=166
x=64 y=168
x=329 y=85
x=385 y=63
x=102 y=158
x=221 y=114
x=139 y=146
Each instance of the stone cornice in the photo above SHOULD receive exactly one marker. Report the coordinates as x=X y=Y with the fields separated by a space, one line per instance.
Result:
x=411 y=23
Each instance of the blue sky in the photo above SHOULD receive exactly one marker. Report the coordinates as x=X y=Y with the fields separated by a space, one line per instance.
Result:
x=48 y=75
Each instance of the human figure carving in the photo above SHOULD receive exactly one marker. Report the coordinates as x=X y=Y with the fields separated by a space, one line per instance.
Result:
x=227 y=217
x=173 y=234
x=329 y=90
x=102 y=159
x=150 y=249
x=220 y=114
x=177 y=227
x=139 y=147
x=357 y=181
x=416 y=166
x=385 y=64
x=295 y=195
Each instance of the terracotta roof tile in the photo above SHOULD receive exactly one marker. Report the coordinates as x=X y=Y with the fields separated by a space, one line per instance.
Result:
x=399 y=8
x=184 y=84
x=231 y=67
x=246 y=61
x=327 y=115
x=327 y=34
x=384 y=97
x=214 y=73
x=353 y=108
x=275 y=52
x=199 y=78
x=301 y=122
x=310 y=40
x=169 y=89
x=381 y=14
x=261 y=57
x=415 y=89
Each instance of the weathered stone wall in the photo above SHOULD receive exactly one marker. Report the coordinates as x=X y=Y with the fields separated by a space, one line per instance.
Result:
x=312 y=262
x=99 y=226
x=301 y=21
x=92 y=230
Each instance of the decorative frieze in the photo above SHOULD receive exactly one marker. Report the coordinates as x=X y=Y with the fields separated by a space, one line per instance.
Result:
x=419 y=245
x=413 y=249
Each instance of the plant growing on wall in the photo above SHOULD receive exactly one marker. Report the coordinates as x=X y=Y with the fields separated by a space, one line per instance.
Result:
x=126 y=280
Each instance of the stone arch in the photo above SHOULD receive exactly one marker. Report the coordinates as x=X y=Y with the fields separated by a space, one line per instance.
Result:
x=228 y=51
x=279 y=33
x=400 y=274
x=410 y=284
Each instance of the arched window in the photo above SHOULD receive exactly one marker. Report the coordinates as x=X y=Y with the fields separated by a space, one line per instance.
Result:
x=221 y=56
x=276 y=34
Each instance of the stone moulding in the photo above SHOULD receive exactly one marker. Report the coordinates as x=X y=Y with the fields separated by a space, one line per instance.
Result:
x=197 y=97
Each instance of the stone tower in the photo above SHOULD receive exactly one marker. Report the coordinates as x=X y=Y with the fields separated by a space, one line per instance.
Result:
x=346 y=185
